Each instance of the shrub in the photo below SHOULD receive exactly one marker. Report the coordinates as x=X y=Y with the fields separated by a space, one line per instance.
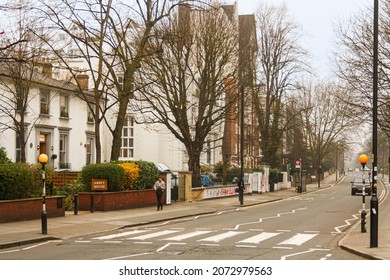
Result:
x=206 y=169
x=3 y=156
x=37 y=173
x=112 y=172
x=131 y=174
x=69 y=191
x=274 y=175
x=16 y=181
x=148 y=175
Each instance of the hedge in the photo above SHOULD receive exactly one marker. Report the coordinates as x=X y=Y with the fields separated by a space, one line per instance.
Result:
x=112 y=172
x=17 y=182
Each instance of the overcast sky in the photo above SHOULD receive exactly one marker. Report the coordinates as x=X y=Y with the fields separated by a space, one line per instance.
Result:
x=317 y=19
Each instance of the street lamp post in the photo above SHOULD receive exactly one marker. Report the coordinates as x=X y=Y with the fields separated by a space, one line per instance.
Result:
x=363 y=159
x=374 y=199
x=43 y=158
x=242 y=115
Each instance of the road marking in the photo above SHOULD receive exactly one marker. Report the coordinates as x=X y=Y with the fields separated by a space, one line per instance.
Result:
x=347 y=223
x=270 y=217
x=283 y=248
x=31 y=247
x=298 y=239
x=113 y=242
x=152 y=235
x=82 y=241
x=326 y=257
x=167 y=245
x=117 y=235
x=245 y=246
x=301 y=253
x=130 y=256
x=187 y=235
x=259 y=237
x=222 y=236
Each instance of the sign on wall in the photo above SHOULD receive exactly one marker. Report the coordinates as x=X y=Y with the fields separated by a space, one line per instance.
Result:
x=99 y=185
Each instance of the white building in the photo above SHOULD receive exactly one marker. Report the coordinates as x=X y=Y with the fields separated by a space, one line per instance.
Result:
x=56 y=123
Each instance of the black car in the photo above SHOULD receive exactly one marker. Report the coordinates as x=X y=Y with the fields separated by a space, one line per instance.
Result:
x=357 y=186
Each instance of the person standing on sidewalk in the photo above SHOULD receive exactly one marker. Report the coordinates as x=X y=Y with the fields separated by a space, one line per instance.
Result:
x=159 y=187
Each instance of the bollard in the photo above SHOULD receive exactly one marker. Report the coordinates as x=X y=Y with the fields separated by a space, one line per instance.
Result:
x=76 y=204
x=363 y=221
x=92 y=204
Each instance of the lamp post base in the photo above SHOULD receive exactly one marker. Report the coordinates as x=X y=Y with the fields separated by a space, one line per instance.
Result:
x=44 y=222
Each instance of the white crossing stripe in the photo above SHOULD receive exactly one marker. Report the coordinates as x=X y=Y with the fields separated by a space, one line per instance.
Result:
x=153 y=235
x=259 y=237
x=117 y=235
x=187 y=235
x=298 y=239
x=222 y=236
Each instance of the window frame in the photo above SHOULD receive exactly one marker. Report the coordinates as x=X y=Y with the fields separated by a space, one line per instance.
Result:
x=127 y=139
x=44 y=106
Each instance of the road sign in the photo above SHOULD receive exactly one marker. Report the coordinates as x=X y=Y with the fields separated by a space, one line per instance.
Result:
x=298 y=163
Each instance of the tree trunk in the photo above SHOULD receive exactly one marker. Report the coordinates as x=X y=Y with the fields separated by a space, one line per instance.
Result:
x=194 y=167
x=117 y=133
x=97 y=132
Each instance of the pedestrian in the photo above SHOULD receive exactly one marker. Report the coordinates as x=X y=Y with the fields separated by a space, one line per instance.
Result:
x=159 y=187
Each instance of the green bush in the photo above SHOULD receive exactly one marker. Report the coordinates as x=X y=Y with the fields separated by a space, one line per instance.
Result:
x=112 y=172
x=274 y=175
x=69 y=191
x=17 y=181
x=148 y=175
x=37 y=173
x=3 y=156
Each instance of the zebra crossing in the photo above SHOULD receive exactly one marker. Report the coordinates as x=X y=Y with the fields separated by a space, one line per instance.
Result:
x=207 y=236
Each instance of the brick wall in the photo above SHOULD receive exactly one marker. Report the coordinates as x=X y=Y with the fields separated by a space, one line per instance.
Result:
x=107 y=201
x=29 y=209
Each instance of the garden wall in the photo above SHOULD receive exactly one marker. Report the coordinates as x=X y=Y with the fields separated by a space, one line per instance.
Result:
x=108 y=201
x=29 y=209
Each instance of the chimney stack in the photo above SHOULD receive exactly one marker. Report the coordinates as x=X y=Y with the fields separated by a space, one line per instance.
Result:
x=83 y=81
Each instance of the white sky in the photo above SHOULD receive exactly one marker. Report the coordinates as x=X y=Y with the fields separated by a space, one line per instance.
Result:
x=317 y=19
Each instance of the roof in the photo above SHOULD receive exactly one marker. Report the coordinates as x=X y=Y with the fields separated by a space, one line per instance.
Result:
x=42 y=80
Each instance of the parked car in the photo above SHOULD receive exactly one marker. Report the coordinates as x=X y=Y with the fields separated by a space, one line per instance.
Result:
x=357 y=186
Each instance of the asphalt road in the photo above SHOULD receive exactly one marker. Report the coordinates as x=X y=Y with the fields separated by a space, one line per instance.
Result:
x=305 y=227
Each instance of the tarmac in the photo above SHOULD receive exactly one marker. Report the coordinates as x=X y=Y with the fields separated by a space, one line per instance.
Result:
x=22 y=233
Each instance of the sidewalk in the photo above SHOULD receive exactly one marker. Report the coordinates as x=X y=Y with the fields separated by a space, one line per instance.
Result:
x=29 y=232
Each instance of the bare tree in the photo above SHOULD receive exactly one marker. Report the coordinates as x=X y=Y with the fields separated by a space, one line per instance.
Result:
x=5 y=40
x=111 y=37
x=281 y=61
x=19 y=74
x=129 y=40
x=186 y=82
x=85 y=26
x=353 y=60
x=326 y=118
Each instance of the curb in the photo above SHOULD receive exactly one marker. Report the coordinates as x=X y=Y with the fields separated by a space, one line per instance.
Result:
x=26 y=242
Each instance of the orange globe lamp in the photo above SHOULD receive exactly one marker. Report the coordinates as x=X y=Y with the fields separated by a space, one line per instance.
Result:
x=363 y=159
x=43 y=158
